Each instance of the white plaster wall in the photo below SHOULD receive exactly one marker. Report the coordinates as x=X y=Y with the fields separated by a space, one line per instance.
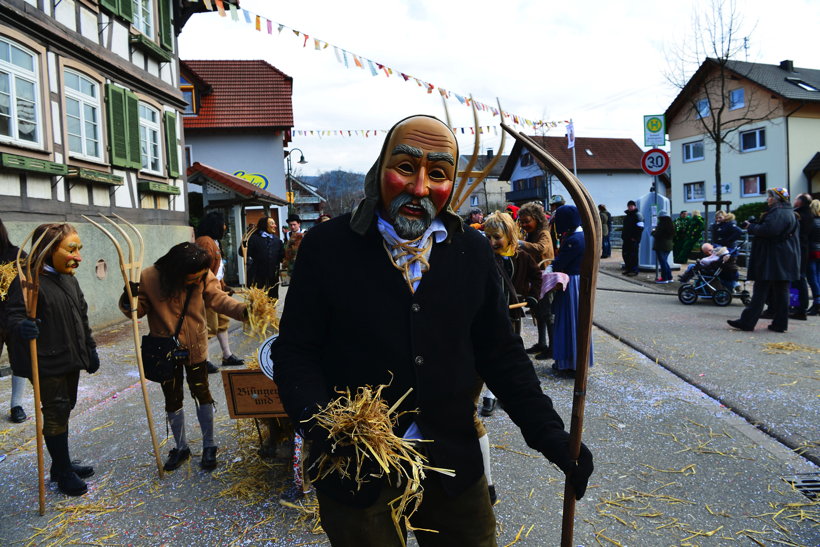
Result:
x=119 y=39
x=771 y=161
x=52 y=73
x=9 y=184
x=153 y=67
x=610 y=190
x=61 y=189
x=804 y=137
x=64 y=13
x=122 y=197
x=56 y=122
x=101 y=196
x=88 y=24
x=39 y=186
x=79 y=194
x=138 y=58
x=167 y=72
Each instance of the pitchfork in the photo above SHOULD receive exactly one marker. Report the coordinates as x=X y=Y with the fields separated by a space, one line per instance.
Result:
x=30 y=285
x=131 y=274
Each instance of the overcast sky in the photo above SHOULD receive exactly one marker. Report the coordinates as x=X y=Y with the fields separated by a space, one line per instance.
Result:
x=598 y=62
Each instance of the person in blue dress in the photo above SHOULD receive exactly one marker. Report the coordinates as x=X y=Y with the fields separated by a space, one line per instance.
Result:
x=567 y=223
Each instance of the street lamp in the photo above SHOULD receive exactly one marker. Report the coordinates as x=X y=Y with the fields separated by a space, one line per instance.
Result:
x=288 y=183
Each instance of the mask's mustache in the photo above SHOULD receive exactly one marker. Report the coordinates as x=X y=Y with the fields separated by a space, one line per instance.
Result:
x=403 y=199
x=411 y=228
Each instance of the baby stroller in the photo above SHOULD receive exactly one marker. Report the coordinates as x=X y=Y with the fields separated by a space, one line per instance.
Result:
x=716 y=282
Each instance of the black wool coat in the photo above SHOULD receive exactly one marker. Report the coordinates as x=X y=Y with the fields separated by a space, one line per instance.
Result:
x=65 y=339
x=350 y=320
x=267 y=254
x=775 y=254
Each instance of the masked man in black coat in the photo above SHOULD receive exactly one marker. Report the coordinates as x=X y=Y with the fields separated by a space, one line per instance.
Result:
x=400 y=293
x=64 y=345
x=774 y=262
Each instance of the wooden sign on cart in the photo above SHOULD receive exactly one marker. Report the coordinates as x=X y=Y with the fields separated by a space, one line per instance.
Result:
x=251 y=394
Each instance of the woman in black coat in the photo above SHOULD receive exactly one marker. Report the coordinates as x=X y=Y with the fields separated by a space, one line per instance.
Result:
x=774 y=262
x=266 y=251
x=662 y=237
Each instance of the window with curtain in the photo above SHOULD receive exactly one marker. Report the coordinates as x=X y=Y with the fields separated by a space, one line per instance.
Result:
x=150 y=151
x=19 y=95
x=144 y=16
x=83 y=107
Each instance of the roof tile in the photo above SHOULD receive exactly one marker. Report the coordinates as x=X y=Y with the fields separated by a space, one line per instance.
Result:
x=243 y=94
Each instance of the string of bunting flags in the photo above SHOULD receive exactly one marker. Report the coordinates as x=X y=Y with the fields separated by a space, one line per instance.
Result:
x=482 y=130
x=350 y=59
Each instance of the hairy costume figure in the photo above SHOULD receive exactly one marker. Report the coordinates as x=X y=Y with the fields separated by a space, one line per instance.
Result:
x=399 y=293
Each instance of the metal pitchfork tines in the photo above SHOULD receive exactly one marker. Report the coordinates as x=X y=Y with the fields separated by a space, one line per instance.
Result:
x=131 y=274
x=30 y=285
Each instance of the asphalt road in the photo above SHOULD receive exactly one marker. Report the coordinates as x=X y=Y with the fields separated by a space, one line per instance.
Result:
x=674 y=466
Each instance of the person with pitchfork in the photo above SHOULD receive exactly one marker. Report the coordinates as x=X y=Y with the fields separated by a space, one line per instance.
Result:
x=409 y=299
x=65 y=346
x=180 y=283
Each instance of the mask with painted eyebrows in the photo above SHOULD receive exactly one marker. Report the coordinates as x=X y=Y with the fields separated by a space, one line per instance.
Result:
x=66 y=257
x=418 y=170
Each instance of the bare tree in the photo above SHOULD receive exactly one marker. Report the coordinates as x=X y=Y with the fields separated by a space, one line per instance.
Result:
x=342 y=189
x=704 y=69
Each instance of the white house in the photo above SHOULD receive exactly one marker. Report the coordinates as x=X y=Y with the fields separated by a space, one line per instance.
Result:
x=610 y=169
x=770 y=117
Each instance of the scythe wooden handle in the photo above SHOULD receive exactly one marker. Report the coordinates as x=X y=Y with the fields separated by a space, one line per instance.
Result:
x=591 y=223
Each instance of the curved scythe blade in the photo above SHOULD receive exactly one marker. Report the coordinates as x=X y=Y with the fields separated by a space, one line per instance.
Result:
x=591 y=222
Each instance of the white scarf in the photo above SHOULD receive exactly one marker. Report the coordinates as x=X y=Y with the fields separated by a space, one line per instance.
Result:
x=411 y=257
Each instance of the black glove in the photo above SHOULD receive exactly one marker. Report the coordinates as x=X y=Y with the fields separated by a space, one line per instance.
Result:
x=531 y=301
x=28 y=328
x=93 y=361
x=578 y=473
x=318 y=436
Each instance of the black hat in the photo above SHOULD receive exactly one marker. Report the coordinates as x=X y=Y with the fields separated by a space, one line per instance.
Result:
x=292 y=218
x=630 y=202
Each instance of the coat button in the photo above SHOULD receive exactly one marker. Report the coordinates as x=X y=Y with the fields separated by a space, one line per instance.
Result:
x=415 y=307
x=419 y=360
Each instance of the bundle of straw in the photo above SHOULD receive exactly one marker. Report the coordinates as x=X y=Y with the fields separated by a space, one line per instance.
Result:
x=261 y=312
x=8 y=272
x=364 y=422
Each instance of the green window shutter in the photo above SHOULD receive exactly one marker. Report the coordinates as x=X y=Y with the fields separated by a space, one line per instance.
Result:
x=117 y=125
x=133 y=132
x=110 y=5
x=126 y=9
x=166 y=34
x=171 y=144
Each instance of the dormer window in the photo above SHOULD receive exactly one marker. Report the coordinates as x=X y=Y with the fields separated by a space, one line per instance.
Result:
x=189 y=94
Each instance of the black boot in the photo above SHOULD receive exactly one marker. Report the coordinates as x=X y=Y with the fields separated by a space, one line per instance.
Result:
x=67 y=480
x=814 y=310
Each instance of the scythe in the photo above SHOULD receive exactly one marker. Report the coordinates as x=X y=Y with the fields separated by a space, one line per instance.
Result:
x=591 y=223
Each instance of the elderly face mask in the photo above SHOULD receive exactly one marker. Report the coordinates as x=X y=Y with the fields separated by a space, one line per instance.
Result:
x=417 y=174
x=66 y=258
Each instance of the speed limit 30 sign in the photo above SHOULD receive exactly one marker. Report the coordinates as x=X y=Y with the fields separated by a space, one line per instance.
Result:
x=655 y=162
